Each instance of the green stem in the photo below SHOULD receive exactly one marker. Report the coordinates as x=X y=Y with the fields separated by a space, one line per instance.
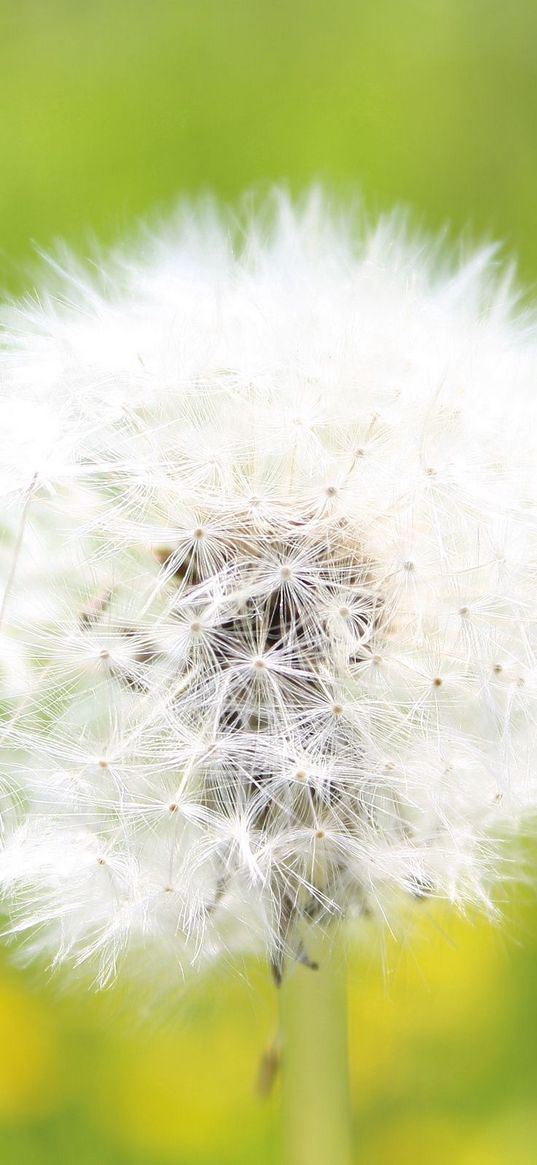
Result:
x=316 y=1100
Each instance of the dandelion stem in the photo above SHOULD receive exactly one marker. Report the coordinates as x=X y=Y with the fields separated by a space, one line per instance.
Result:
x=316 y=1101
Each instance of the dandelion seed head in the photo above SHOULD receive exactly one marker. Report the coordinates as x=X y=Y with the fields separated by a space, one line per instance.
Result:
x=267 y=633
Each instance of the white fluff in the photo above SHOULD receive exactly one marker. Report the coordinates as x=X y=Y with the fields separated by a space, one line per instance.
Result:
x=267 y=649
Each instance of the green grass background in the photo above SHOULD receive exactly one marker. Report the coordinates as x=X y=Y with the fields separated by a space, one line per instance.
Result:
x=108 y=111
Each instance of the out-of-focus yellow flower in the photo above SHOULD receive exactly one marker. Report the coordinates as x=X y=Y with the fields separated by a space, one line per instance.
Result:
x=192 y=1089
x=441 y=986
x=512 y=1139
x=417 y=1141
x=31 y=1081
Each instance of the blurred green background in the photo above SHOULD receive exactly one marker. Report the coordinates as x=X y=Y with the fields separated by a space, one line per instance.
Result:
x=110 y=110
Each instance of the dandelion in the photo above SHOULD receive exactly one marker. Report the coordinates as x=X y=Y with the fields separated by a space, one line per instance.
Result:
x=267 y=659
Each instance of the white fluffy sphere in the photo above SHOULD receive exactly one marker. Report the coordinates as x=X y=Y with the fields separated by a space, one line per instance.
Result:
x=268 y=633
